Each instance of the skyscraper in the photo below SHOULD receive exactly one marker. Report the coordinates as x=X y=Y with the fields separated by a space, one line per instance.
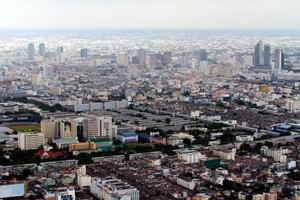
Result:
x=48 y=71
x=278 y=59
x=83 y=53
x=151 y=60
x=202 y=55
x=30 y=51
x=42 y=50
x=59 y=53
x=122 y=59
x=259 y=54
x=267 y=55
x=141 y=55
x=184 y=62
x=167 y=57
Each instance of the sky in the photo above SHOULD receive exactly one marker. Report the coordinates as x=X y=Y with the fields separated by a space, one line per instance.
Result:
x=149 y=14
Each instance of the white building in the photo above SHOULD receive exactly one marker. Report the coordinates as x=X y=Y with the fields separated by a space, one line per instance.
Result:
x=27 y=141
x=113 y=189
x=244 y=138
x=189 y=156
x=99 y=126
x=186 y=182
x=279 y=155
x=61 y=194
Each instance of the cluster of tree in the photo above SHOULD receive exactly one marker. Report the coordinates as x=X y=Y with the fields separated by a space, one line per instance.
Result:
x=41 y=105
x=244 y=103
x=245 y=147
x=24 y=174
x=294 y=176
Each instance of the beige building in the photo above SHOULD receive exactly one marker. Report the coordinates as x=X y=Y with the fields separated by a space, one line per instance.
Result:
x=225 y=154
x=58 y=128
x=27 y=141
x=50 y=128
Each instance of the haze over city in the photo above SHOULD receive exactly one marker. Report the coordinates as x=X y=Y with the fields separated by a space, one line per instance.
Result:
x=130 y=14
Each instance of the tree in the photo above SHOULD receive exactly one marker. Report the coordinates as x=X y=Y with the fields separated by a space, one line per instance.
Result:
x=168 y=120
x=246 y=147
x=269 y=144
x=187 y=141
x=84 y=158
x=294 y=176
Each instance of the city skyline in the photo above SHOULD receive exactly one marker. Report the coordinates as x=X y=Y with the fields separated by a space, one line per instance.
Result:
x=178 y=14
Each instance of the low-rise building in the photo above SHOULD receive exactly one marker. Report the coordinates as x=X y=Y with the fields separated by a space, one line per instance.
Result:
x=113 y=189
x=127 y=136
x=225 y=154
x=186 y=182
x=189 y=156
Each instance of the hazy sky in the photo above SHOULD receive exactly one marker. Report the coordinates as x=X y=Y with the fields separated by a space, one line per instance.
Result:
x=202 y=14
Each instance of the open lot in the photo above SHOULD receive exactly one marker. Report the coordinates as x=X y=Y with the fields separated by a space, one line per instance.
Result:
x=25 y=127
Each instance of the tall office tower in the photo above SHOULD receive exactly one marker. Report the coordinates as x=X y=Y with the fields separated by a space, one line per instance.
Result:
x=278 y=59
x=141 y=56
x=184 y=59
x=48 y=71
x=267 y=55
x=202 y=55
x=42 y=50
x=282 y=59
x=151 y=60
x=30 y=51
x=99 y=126
x=167 y=57
x=122 y=59
x=59 y=53
x=27 y=141
x=83 y=53
x=259 y=54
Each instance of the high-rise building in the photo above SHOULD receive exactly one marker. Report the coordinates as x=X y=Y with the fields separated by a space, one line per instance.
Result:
x=51 y=129
x=202 y=55
x=83 y=53
x=167 y=57
x=59 y=53
x=151 y=60
x=122 y=59
x=282 y=59
x=141 y=56
x=267 y=55
x=48 y=71
x=27 y=141
x=184 y=59
x=99 y=126
x=278 y=59
x=42 y=50
x=68 y=129
x=30 y=51
x=259 y=54
x=59 y=128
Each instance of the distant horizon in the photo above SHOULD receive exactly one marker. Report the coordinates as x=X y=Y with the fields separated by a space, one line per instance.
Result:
x=150 y=14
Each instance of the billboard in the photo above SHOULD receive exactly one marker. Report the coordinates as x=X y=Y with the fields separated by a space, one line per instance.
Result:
x=12 y=190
